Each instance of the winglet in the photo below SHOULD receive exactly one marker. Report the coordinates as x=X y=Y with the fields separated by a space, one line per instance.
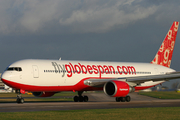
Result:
x=164 y=54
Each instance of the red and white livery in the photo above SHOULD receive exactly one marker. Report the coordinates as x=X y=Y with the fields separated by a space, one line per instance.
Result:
x=44 y=78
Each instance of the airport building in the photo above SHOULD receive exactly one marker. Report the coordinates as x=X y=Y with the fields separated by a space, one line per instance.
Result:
x=1 y=83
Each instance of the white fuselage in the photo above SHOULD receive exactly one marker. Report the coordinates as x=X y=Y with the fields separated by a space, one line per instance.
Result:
x=61 y=75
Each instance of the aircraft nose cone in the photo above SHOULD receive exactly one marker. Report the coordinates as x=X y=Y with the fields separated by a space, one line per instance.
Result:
x=6 y=76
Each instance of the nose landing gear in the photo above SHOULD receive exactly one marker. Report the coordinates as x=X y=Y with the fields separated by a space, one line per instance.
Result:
x=19 y=99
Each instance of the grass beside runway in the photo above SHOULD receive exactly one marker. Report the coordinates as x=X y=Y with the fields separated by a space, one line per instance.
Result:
x=162 y=94
x=11 y=97
x=165 y=113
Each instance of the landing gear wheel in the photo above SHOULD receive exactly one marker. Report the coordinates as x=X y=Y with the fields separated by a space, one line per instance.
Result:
x=20 y=100
x=118 y=99
x=81 y=98
x=123 y=99
x=128 y=98
x=86 y=98
x=76 y=98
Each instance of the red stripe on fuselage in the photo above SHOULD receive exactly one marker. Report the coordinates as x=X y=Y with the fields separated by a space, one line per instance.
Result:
x=80 y=86
x=77 y=87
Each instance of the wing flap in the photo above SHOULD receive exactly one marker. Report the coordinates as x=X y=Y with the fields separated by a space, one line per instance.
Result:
x=133 y=81
x=154 y=78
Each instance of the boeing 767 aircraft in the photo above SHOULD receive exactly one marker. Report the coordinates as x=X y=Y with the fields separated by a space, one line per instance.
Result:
x=44 y=78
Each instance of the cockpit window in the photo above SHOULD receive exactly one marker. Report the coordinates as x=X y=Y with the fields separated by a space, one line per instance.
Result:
x=14 y=69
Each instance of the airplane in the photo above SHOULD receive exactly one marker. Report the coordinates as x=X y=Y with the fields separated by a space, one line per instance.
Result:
x=44 y=78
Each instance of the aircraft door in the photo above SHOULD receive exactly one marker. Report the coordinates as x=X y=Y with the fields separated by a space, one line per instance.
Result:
x=35 y=71
x=156 y=71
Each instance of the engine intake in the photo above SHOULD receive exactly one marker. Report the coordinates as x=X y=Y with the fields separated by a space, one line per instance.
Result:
x=117 y=88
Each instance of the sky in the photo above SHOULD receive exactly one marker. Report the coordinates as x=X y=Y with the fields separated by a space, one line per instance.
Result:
x=92 y=30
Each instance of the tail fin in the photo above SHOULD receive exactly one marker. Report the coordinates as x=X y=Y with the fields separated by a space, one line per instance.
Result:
x=164 y=55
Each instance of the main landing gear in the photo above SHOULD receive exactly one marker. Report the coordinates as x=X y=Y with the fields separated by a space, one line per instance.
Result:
x=123 y=99
x=80 y=98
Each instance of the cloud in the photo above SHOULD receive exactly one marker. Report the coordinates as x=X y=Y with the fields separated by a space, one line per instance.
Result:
x=100 y=18
x=38 y=13
x=77 y=16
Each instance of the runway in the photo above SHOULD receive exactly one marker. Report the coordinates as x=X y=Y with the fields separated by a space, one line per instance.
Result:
x=96 y=101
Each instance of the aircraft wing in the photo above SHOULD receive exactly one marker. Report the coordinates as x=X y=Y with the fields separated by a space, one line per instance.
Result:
x=134 y=81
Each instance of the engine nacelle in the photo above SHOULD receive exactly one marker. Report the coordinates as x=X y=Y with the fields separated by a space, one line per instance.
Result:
x=116 y=88
x=43 y=94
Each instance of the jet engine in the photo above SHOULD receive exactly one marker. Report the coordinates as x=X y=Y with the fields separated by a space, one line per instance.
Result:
x=116 y=88
x=43 y=94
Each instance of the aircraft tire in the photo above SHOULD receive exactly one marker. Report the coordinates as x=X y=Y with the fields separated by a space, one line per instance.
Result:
x=81 y=98
x=118 y=99
x=123 y=99
x=128 y=98
x=20 y=100
x=76 y=98
x=85 y=98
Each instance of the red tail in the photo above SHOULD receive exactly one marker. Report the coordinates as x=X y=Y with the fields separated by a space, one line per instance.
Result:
x=164 y=55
